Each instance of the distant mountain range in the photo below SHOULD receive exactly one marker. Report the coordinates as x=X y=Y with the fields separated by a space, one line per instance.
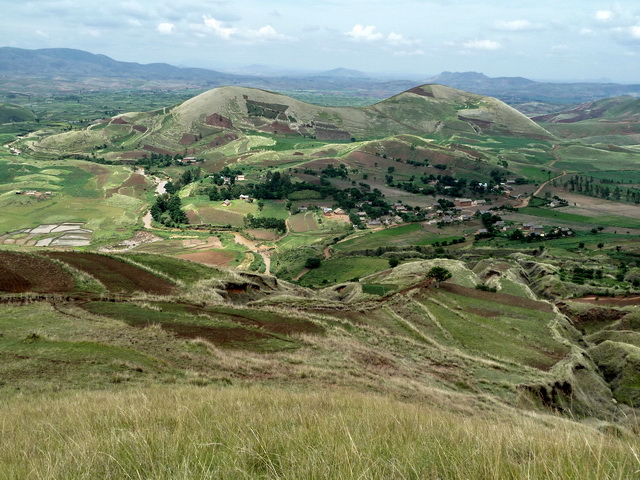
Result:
x=62 y=65
x=520 y=90
x=68 y=67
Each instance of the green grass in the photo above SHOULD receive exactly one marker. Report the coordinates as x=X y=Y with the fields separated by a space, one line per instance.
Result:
x=404 y=235
x=583 y=159
x=199 y=433
x=218 y=327
x=341 y=270
x=79 y=196
x=534 y=173
x=610 y=220
x=506 y=332
x=621 y=177
x=378 y=289
x=183 y=270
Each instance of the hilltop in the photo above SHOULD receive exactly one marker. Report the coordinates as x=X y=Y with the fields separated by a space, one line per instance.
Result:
x=242 y=284
x=610 y=120
x=519 y=90
x=203 y=122
x=14 y=113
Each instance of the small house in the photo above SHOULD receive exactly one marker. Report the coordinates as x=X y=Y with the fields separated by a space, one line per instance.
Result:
x=226 y=203
x=463 y=202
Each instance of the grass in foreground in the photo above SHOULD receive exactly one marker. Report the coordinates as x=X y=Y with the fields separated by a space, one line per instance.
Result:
x=197 y=433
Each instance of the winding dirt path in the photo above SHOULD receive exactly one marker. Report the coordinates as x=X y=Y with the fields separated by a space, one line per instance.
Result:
x=525 y=201
x=254 y=248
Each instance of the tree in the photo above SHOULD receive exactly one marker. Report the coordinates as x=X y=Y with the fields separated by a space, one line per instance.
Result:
x=439 y=274
x=393 y=262
x=260 y=205
x=600 y=245
x=312 y=262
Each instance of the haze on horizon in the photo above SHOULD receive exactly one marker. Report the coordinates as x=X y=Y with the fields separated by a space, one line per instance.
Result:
x=587 y=40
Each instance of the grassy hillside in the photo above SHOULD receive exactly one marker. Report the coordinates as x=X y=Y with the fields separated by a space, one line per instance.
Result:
x=14 y=113
x=196 y=124
x=612 y=120
x=208 y=432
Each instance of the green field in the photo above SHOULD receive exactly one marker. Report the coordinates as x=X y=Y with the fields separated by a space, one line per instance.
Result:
x=343 y=270
x=79 y=195
x=609 y=220
x=404 y=235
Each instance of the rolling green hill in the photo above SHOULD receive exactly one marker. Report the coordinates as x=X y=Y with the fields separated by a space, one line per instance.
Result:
x=611 y=120
x=162 y=355
x=207 y=122
x=14 y=113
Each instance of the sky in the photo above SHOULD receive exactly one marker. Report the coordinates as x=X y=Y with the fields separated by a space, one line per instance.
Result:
x=542 y=40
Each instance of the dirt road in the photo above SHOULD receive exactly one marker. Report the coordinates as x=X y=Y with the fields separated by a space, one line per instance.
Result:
x=254 y=248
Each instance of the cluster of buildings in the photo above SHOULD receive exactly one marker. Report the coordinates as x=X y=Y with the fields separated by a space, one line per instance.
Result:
x=34 y=193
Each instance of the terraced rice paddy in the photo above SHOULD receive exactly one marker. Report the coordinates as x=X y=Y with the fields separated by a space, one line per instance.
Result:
x=51 y=235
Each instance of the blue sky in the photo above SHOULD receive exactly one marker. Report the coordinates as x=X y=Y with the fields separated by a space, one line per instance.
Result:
x=554 y=40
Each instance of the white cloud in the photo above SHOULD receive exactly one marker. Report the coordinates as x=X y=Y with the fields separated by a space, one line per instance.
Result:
x=482 y=45
x=515 y=25
x=367 y=34
x=266 y=33
x=398 y=39
x=219 y=29
x=410 y=53
x=586 y=31
x=635 y=32
x=166 y=28
x=603 y=15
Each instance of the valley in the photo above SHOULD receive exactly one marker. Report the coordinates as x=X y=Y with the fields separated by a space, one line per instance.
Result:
x=436 y=260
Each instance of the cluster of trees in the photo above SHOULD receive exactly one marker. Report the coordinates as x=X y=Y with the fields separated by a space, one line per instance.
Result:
x=192 y=174
x=332 y=172
x=157 y=160
x=226 y=172
x=265 y=222
x=599 y=188
x=443 y=185
x=167 y=210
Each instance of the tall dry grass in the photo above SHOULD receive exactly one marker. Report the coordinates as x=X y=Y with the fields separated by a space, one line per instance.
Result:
x=213 y=433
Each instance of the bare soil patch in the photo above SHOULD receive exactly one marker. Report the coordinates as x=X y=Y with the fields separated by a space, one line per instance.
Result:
x=217 y=120
x=211 y=257
x=115 y=275
x=193 y=217
x=188 y=139
x=135 y=182
x=263 y=234
x=153 y=149
x=220 y=217
x=26 y=273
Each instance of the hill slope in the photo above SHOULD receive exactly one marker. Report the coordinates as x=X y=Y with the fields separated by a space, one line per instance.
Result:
x=425 y=110
x=611 y=120
x=518 y=89
x=14 y=113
